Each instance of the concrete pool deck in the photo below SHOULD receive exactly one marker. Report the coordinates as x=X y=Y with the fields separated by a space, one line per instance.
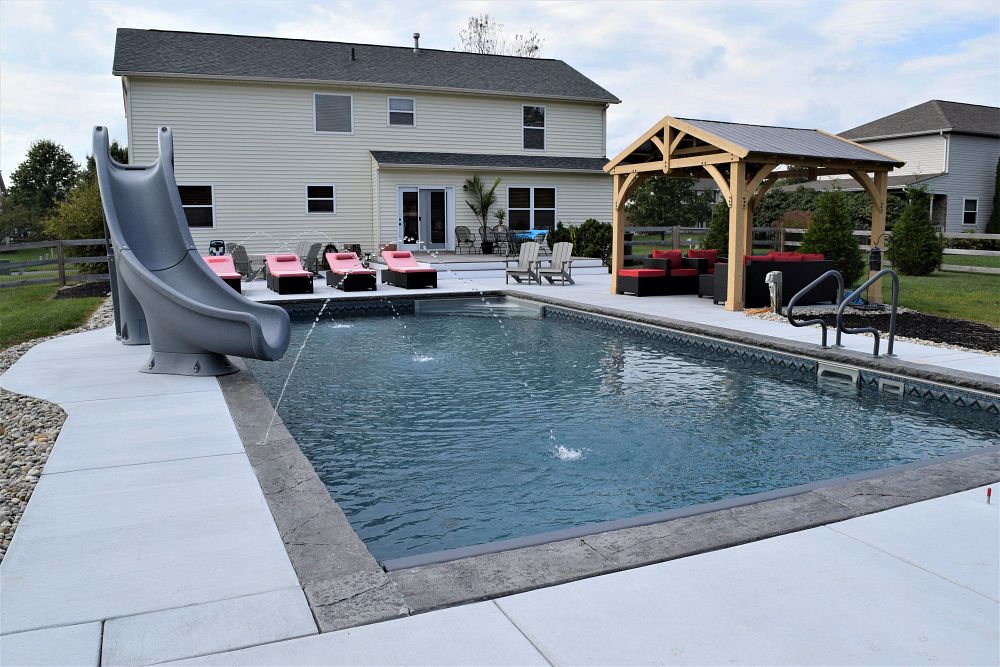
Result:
x=149 y=539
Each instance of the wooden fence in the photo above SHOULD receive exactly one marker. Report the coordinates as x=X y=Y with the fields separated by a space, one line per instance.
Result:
x=58 y=258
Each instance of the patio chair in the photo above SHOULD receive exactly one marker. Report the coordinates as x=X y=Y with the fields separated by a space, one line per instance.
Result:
x=285 y=275
x=464 y=239
x=404 y=271
x=242 y=262
x=500 y=240
x=542 y=240
x=347 y=273
x=312 y=260
x=560 y=266
x=526 y=261
x=223 y=266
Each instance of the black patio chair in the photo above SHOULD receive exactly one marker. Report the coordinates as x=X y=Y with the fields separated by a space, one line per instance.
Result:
x=464 y=239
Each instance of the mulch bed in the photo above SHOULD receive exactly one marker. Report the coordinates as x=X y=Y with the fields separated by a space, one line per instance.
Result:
x=933 y=328
x=83 y=290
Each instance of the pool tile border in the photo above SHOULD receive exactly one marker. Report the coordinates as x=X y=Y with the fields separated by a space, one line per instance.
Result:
x=345 y=586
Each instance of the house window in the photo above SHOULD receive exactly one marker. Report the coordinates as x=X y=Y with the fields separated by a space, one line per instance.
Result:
x=402 y=111
x=531 y=208
x=199 y=205
x=333 y=114
x=533 y=127
x=321 y=199
x=970 y=211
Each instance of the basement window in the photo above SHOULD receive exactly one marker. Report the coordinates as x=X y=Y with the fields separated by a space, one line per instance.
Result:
x=199 y=204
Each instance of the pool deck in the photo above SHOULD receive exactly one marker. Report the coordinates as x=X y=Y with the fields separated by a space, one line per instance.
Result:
x=149 y=539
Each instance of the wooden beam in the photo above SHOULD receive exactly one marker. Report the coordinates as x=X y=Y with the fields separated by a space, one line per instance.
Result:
x=702 y=160
x=643 y=138
x=623 y=185
x=880 y=186
x=659 y=144
x=638 y=167
x=677 y=140
x=668 y=140
x=867 y=183
x=762 y=190
x=739 y=241
x=694 y=150
x=757 y=179
x=618 y=228
x=720 y=180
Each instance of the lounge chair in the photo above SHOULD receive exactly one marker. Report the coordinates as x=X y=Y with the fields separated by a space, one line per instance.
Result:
x=223 y=266
x=285 y=275
x=405 y=272
x=347 y=273
x=560 y=266
x=526 y=264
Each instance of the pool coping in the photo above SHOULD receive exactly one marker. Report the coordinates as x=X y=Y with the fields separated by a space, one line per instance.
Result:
x=346 y=587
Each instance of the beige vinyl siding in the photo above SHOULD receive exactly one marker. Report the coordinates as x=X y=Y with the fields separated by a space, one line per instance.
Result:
x=578 y=196
x=971 y=175
x=925 y=154
x=256 y=145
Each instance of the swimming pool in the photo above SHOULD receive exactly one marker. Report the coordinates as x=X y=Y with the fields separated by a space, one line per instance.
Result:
x=457 y=426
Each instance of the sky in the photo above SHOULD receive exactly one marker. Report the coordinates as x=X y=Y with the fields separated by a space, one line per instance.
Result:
x=817 y=64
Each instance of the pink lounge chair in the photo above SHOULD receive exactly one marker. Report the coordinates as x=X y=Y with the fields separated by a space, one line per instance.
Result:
x=348 y=273
x=404 y=271
x=285 y=275
x=223 y=266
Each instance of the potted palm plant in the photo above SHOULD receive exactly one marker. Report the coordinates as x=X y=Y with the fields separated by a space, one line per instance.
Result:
x=480 y=199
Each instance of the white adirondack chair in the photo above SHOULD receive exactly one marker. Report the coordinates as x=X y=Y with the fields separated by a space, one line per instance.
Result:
x=525 y=268
x=560 y=266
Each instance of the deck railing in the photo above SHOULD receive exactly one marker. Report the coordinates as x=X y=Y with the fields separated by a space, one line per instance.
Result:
x=57 y=258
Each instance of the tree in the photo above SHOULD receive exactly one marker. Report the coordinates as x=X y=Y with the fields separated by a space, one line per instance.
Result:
x=483 y=34
x=81 y=216
x=993 y=224
x=118 y=153
x=915 y=248
x=718 y=230
x=481 y=198
x=44 y=178
x=831 y=235
x=19 y=224
x=669 y=202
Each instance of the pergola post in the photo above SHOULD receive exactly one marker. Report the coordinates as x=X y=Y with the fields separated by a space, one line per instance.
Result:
x=880 y=198
x=618 y=229
x=738 y=238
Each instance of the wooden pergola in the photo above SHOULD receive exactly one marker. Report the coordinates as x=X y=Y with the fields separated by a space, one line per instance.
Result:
x=743 y=160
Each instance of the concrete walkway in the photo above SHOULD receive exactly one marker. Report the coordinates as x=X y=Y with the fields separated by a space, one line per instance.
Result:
x=148 y=539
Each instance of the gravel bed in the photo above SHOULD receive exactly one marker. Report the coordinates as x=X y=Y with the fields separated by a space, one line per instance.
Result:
x=28 y=429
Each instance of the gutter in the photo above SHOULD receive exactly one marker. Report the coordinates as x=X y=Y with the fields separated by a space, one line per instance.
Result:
x=391 y=165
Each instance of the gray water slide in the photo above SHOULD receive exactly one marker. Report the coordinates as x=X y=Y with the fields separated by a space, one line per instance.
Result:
x=167 y=295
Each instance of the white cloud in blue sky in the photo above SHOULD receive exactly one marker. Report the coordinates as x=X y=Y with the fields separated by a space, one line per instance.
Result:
x=809 y=64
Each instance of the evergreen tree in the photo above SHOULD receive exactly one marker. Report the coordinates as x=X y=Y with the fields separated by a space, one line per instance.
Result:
x=718 y=230
x=993 y=224
x=44 y=178
x=669 y=202
x=831 y=234
x=915 y=247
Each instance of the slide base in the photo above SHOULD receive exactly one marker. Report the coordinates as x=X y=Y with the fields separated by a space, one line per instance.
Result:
x=186 y=363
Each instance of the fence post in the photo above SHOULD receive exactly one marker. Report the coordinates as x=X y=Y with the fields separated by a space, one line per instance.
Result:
x=61 y=263
x=781 y=239
x=676 y=237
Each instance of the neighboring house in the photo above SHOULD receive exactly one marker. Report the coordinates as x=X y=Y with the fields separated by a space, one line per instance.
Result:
x=950 y=147
x=278 y=140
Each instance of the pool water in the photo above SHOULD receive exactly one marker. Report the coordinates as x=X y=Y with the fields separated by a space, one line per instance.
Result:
x=436 y=431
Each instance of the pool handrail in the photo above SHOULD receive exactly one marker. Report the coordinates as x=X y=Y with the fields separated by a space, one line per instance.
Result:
x=872 y=330
x=804 y=323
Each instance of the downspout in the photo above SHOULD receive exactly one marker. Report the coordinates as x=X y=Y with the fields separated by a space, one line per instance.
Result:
x=947 y=151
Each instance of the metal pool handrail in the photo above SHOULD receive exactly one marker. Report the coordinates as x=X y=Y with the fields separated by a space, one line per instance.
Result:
x=804 y=323
x=873 y=330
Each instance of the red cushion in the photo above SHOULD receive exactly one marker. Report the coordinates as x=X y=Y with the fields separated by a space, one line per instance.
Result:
x=673 y=255
x=682 y=273
x=643 y=273
x=787 y=257
x=812 y=257
x=757 y=258
x=711 y=254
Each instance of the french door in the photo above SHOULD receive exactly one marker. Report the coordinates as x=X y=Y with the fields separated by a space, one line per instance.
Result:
x=423 y=218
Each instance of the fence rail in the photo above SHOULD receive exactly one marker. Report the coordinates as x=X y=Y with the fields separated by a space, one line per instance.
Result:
x=59 y=260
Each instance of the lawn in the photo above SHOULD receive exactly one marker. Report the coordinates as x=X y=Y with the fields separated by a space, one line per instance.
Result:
x=972 y=260
x=30 y=312
x=967 y=296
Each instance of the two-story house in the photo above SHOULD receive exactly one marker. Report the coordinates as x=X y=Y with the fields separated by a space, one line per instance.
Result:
x=951 y=148
x=280 y=140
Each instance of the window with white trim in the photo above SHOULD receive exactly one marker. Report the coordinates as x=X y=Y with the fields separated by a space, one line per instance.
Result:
x=321 y=199
x=531 y=208
x=199 y=204
x=533 y=127
x=402 y=111
x=333 y=114
x=970 y=211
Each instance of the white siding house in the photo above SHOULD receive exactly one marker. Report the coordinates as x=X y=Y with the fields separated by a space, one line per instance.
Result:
x=283 y=140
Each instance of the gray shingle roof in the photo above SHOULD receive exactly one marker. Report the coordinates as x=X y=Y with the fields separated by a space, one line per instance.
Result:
x=483 y=161
x=162 y=53
x=851 y=185
x=929 y=117
x=792 y=141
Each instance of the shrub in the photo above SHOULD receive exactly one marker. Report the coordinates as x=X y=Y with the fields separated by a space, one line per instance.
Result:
x=915 y=247
x=831 y=235
x=593 y=239
x=560 y=234
x=718 y=230
x=974 y=244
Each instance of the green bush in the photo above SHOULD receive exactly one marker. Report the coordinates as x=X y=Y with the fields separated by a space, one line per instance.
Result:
x=915 y=247
x=80 y=216
x=974 y=244
x=718 y=230
x=830 y=234
x=590 y=239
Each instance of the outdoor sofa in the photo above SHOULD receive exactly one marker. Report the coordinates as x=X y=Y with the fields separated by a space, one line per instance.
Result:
x=797 y=271
x=662 y=273
x=404 y=271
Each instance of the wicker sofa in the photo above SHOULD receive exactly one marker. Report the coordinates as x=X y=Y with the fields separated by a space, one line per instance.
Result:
x=665 y=272
x=797 y=271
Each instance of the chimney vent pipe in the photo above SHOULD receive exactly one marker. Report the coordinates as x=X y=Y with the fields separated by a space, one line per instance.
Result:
x=352 y=54
x=416 y=42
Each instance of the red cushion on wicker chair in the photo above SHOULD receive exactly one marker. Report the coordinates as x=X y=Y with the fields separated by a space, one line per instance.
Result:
x=642 y=273
x=711 y=254
x=673 y=255
x=683 y=273
x=786 y=257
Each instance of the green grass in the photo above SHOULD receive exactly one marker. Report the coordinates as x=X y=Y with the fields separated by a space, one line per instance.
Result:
x=972 y=260
x=30 y=312
x=966 y=296
x=31 y=272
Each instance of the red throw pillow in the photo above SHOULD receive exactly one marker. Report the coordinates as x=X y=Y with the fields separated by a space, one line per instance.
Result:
x=673 y=255
x=812 y=257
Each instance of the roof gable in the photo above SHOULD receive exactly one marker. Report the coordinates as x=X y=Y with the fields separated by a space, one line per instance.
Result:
x=205 y=55
x=929 y=117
